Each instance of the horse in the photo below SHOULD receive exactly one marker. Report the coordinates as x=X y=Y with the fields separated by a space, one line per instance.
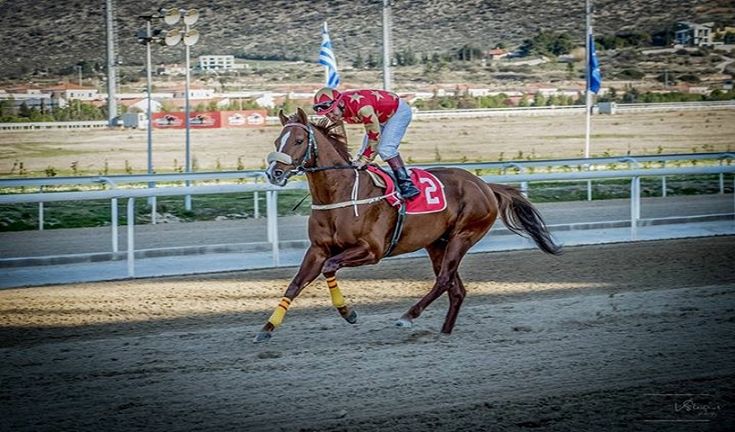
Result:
x=341 y=236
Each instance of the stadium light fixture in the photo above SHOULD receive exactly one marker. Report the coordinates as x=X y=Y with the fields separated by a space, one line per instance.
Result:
x=191 y=37
x=170 y=16
x=191 y=16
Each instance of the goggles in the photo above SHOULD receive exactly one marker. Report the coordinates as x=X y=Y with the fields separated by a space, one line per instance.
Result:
x=322 y=106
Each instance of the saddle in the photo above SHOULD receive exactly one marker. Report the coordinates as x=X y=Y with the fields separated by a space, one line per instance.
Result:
x=431 y=198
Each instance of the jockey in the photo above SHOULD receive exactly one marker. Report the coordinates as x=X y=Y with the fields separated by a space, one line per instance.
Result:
x=385 y=116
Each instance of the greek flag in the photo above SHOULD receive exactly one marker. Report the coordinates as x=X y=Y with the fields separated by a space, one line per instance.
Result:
x=594 y=79
x=326 y=58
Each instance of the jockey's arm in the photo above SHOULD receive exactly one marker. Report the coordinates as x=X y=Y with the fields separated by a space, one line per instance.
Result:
x=372 y=130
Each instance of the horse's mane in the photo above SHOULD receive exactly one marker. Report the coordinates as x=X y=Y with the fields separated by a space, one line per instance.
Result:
x=334 y=131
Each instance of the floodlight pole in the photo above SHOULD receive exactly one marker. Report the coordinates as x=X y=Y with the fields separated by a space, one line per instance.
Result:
x=187 y=199
x=386 y=45
x=79 y=68
x=149 y=113
x=111 y=67
x=588 y=91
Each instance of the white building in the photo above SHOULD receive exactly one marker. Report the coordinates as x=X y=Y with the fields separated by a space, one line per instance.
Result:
x=217 y=62
x=688 y=33
x=73 y=92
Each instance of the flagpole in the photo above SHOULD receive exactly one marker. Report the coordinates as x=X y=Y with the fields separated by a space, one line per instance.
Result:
x=588 y=92
x=326 y=68
x=328 y=59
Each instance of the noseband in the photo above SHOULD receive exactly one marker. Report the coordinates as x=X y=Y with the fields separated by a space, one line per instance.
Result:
x=312 y=152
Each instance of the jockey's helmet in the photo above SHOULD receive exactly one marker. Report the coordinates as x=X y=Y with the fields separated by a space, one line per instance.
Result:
x=325 y=100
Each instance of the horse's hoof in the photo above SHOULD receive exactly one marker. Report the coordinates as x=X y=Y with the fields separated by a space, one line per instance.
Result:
x=404 y=322
x=351 y=317
x=263 y=336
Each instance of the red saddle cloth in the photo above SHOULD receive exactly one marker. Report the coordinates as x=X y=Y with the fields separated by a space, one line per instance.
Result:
x=431 y=199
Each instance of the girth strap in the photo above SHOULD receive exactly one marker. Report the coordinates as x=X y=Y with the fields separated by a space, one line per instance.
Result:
x=398 y=229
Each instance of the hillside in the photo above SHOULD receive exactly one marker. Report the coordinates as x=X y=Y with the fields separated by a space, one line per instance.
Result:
x=49 y=36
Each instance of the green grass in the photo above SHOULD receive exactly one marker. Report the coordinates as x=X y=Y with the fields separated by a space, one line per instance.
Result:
x=78 y=214
x=240 y=206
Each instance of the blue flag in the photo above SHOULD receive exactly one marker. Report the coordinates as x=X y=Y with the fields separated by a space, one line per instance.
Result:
x=594 y=77
x=326 y=57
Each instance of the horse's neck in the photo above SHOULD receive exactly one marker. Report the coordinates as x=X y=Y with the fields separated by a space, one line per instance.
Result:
x=332 y=185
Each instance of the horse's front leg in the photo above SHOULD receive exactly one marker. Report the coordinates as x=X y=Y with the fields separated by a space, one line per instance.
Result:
x=310 y=268
x=352 y=257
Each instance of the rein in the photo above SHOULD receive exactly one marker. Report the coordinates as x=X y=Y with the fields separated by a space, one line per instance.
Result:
x=312 y=152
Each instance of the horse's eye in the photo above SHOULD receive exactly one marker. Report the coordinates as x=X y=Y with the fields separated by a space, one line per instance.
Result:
x=299 y=141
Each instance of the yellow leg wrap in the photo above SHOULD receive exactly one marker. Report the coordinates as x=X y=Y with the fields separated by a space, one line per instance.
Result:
x=337 y=300
x=277 y=317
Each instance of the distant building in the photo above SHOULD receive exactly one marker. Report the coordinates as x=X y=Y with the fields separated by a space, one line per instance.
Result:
x=30 y=97
x=171 y=69
x=217 y=62
x=195 y=92
x=72 y=92
x=496 y=53
x=691 y=34
x=141 y=105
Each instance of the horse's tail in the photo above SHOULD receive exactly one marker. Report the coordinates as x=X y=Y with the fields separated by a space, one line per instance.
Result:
x=520 y=216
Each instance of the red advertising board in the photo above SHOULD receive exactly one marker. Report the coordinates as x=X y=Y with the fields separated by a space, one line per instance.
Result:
x=208 y=120
x=243 y=118
x=197 y=120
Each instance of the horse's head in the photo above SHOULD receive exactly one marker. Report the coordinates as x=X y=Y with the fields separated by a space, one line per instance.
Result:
x=295 y=147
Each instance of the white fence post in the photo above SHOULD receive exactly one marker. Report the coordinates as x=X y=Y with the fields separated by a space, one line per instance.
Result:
x=272 y=215
x=113 y=222
x=635 y=206
x=153 y=209
x=131 y=237
x=40 y=212
x=256 y=209
x=663 y=181
x=722 y=179
x=40 y=216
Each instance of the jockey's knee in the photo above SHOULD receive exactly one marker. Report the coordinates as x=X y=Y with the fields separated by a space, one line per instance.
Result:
x=388 y=153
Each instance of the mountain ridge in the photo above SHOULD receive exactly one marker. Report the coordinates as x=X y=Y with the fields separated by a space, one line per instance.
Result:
x=48 y=36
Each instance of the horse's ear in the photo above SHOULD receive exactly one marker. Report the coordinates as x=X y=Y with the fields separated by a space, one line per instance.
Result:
x=303 y=118
x=283 y=117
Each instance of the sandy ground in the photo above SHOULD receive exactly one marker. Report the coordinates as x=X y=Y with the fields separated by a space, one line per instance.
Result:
x=634 y=336
x=426 y=141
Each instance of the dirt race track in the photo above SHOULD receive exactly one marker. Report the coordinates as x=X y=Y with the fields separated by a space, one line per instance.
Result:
x=635 y=336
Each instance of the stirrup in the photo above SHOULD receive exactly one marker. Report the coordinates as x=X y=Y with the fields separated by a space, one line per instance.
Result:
x=408 y=192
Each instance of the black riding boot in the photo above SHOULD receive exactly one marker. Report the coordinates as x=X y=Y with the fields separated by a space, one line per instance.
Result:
x=405 y=185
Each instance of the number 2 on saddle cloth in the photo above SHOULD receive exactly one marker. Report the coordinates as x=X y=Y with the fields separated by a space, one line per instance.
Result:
x=430 y=200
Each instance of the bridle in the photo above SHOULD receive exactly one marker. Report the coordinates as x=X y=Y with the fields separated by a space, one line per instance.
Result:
x=312 y=152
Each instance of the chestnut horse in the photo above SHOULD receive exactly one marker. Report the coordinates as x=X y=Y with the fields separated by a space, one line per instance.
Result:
x=355 y=230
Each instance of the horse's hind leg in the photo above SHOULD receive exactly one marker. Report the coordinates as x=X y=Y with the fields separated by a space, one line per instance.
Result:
x=456 y=250
x=456 y=294
x=436 y=254
x=447 y=279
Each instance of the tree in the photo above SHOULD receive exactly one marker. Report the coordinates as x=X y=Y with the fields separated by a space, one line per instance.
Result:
x=539 y=99
x=631 y=96
x=468 y=52
x=6 y=108
x=359 y=63
x=545 y=43
x=23 y=110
